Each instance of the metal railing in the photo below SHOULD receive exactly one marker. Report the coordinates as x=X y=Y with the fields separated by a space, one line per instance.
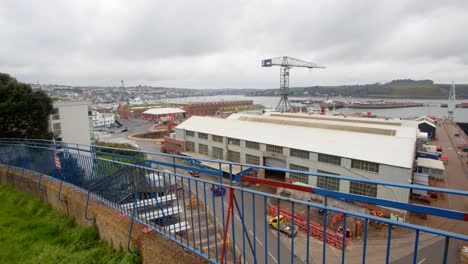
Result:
x=224 y=216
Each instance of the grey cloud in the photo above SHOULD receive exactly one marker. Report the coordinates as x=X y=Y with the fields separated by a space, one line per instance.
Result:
x=220 y=43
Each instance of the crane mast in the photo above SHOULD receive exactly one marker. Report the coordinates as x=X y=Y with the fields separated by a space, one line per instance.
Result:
x=286 y=63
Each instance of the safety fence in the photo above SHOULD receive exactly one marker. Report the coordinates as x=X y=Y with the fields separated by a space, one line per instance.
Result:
x=227 y=218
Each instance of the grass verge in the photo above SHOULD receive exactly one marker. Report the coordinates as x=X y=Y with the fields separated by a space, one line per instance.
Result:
x=32 y=232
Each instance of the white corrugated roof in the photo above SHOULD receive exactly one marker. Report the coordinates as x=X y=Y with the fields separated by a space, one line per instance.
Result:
x=163 y=111
x=391 y=150
x=422 y=118
x=430 y=163
x=336 y=123
x=351 y=119
x=426 y=122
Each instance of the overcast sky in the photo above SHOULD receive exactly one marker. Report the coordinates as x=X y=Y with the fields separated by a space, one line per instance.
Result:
x=220 y=44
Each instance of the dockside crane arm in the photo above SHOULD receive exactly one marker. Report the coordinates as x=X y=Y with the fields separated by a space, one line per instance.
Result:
x=289 y=62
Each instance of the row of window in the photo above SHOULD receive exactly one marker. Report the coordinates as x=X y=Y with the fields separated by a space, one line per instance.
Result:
x=330 y=159
x=365 y=165
x=333 y=184
x=218 y=153
x=359 y=188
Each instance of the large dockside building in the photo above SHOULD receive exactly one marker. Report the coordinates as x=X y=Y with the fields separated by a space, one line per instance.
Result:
x=376 y=149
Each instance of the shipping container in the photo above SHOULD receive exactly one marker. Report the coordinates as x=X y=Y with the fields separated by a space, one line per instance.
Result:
x=427 y=155
x=429 y=148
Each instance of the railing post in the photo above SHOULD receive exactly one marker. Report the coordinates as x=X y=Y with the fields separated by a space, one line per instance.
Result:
x=60 y=188
x=364 y=246
x=343 y=247
x=389 y=239
x=135 y=199
x=446 y=246
x=245 y=233
x=229 y=213
x=325 y=215
x=93 y=172
x=416 y=243
x=61 y=181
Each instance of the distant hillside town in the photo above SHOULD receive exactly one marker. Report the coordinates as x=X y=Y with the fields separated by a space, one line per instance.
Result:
x=404 y=88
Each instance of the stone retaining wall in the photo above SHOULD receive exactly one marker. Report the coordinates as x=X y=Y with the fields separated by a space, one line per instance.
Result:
x=153 y=247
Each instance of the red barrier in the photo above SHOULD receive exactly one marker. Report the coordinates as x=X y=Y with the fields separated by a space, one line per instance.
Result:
x=315 y=230
x=278 y=184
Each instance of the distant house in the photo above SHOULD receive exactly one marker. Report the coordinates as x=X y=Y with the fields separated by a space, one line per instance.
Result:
x=103 y=119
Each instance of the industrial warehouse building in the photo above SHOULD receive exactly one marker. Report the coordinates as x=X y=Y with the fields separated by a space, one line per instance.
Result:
x=209 y=108
x=364 y=148
x=164 y=114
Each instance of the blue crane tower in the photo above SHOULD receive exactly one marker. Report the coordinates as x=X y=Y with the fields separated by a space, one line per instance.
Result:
x=286 y=63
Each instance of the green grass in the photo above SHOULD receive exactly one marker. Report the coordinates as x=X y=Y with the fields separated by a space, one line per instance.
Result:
x=120 y=159
x=32 y=232
x=429 y=90
x=243 y=108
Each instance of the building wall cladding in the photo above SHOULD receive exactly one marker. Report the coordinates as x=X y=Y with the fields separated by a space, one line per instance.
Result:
x=158 y=117
x=75 y=121
x=209 y=108
x=386 y=172
x=153 y=247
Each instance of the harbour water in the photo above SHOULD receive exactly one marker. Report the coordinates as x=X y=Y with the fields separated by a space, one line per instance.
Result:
x=432 y=107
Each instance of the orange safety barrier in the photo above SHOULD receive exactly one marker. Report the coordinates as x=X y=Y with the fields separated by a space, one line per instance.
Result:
x=315 y=230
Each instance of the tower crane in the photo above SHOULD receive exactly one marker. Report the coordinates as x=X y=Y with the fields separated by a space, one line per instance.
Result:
x=286 y=63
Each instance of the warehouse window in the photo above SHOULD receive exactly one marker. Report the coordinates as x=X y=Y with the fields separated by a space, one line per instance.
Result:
x=274 y=149
x=202 y=135
x=189 y=146
x=217 y=138
x=304 y=178
x=203 y=149
x=365 y=165
x=189 y=133
x=362 y=188
x=252 y=145
x=299 y=153
x=251 y=159
x=233 y=156
x=217 y=153
x=234 y=141
x=327 y=182
x=329 y=159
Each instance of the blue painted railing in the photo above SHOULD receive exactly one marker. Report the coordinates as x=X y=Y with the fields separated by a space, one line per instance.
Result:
x=224 y=220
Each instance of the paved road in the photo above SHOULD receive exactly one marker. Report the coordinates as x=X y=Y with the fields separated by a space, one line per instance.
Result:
x=432 y=254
